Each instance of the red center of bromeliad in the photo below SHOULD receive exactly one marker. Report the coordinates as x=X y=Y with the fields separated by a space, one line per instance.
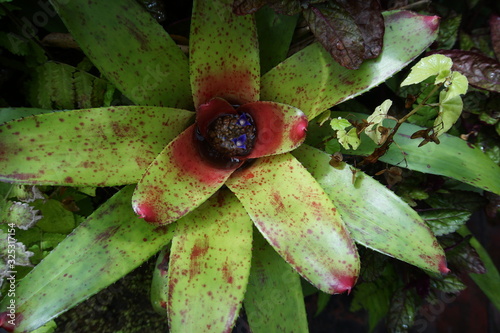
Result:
x=229 y=138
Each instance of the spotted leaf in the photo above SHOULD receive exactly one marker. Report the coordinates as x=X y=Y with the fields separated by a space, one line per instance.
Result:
x=105 y=247
x=209 y=266
x=177 y=181
x=299 y=220
x=313 y=69
x=96 y=147
x=375 y=216
x=131 y=49
x=224 y=54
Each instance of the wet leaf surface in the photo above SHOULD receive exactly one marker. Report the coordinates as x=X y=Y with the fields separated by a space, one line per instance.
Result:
x=481 y=71
x=351 y=31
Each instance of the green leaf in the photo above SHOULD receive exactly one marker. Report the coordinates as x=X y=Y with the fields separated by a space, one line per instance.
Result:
x=131 y=49
x=209 y=266
x=55 y=217
x=375 y=297
x=376 y=217
x=350 y=138
x=224 y=54
x=445 y=221
x=178 y=181
x=274 y=294
x=108 y=245
x=159 y=282
x=313 y=70
x=436 y=64
x=453 y=157
x=489 y=282
x=97 y=147
x=375 y=120
x=275 y=32
x=298 y=219
x=8 y=114
x=332 y=146
x=338 y=124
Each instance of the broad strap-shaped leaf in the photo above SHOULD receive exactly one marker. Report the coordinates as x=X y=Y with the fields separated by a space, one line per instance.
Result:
x=274 y=293
x=177 y=181
x=105 y=247
x=224 y=54
x=298 y=219
x=131 y=49
x=312 y=81
x=209 y=266
x=375 y=216
x=275 y=32
x=95 y=147
x=452 y=157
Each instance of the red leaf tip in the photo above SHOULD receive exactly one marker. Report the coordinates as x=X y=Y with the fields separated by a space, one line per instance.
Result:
x=443 y=267
x=432 y=22
x=344 y=284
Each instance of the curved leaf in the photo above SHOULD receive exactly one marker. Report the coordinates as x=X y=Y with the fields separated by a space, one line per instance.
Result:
x=453 y=157
x=224 y=54
x=96 y=147
x=209 y=266
x=105 y=247
x=178 y=181
x=375 y=216
x=298 y=219
x=274 y=293
x=312 y=81
x=133 y=51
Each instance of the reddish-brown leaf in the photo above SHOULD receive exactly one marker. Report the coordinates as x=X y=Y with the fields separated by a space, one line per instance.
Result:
x=481 y=71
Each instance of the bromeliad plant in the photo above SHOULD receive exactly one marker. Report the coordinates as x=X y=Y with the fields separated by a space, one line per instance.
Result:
x=205 y=179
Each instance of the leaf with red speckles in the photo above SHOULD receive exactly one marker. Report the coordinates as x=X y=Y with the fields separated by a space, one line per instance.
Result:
x=312 y=81
x=375 y=216
x=131 y=49
x=177 y=181
x=105 y=247
x=96 y=147
x=224 y=54
x=298 y=219
x=481 y=71
x=452 y=157
x=274 y=293
x=209 y=266
x=159 y=287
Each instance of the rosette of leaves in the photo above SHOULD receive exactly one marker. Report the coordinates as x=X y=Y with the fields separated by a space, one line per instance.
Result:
x=201 y=199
